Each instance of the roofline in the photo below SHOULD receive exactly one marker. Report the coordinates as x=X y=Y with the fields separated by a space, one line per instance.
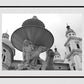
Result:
x=72 y=38
x=69 y=32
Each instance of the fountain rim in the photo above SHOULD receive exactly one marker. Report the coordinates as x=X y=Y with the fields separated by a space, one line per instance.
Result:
x=23 y=27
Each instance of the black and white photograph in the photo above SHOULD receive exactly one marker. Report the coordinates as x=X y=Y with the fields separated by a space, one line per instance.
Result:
x=41 y=42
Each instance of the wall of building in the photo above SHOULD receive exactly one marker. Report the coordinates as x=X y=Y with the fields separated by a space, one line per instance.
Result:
x=61 y=66
x=78 y=63
x=6 y=56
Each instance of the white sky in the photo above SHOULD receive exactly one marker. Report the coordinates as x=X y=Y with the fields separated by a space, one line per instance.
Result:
x=55 y=23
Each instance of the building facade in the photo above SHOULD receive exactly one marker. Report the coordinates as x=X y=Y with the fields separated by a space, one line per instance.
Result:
x=8 y=51
x=73 y=49
x=54 y=61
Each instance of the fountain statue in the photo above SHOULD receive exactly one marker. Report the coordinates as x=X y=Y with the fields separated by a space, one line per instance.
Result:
x=32 y=39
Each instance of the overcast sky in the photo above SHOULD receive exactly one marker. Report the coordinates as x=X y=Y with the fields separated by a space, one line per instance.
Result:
x=55 y=23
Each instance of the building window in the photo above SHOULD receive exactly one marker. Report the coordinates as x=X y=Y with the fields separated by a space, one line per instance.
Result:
x=69 y=34
x=4 y=50
x=2 y=55
x=40 y=68
x=59 y=68
x=3 y=58
x=74 y=68
x=73 y=34
x=69 y=49
x=78 y=46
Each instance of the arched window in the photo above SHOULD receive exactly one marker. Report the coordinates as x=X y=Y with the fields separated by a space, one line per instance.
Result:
x=4 y=50
x=69 y=49
x=74 y=68
x=78 y=45
x=4 y=58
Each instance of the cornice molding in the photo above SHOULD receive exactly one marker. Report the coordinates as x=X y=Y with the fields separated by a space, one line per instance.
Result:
x=70 y=38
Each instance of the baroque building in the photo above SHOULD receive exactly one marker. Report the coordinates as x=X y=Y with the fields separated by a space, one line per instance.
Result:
x=54 y=61
x=8 y=51
x=53 y=58
x=73 y=49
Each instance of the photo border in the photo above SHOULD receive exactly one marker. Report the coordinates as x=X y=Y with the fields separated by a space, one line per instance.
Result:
x=2 y=7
